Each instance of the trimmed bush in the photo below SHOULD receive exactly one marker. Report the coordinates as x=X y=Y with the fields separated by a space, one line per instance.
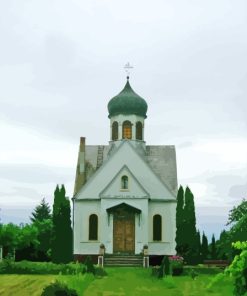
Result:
x=58 y=289
x=28 y=267
x=99 y=271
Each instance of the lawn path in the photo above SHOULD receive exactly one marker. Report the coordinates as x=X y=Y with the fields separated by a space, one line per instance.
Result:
x=139 y=282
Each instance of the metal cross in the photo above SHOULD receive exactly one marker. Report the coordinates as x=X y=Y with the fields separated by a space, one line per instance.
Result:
x=127 y=68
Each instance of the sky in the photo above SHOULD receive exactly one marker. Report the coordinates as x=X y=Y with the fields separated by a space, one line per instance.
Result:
x=62 y=61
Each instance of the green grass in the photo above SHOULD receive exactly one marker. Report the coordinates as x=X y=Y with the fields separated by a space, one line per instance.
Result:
x=119 y=281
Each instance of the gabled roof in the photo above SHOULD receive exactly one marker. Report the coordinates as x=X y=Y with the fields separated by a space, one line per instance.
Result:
x=135 y=187
x=125 y=155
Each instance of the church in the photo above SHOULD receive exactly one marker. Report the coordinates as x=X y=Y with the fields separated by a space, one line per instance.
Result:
x=125 y=192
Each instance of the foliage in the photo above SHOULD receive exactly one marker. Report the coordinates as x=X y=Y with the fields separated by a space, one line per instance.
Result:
x=188 y=244
x=41 y=212
x=89 y=265
x=26 y=267
x=45 y=228
x=9 y=234
x=237 y=213
x=203 y=270
x=204 y=248
x=15 y=238
x=100 y=271
x=176 y=264
x=167 y=265
x=193 y=273
x=62 y=231
x=58 y=288
x=213 y=254
x=180 y=221
x=215 y=280
x=238 y=232
x=238 y=269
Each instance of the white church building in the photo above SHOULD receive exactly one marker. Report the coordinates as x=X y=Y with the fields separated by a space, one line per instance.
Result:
x=125 y=192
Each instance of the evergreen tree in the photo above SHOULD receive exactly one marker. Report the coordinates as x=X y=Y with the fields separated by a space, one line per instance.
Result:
x=198 y=247
x=61 y=251
x=190 y=227
x=41 y=212
x=204 y=247
x=213 y=248
x=180 y=239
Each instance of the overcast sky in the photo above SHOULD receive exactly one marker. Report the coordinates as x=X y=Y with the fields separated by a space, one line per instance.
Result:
x=62 y=61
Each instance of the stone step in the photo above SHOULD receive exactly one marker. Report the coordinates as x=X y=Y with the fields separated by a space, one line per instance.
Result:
x=123 y=260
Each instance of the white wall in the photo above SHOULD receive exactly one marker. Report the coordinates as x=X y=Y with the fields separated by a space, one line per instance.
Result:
x=82 y=211
x=167 y=210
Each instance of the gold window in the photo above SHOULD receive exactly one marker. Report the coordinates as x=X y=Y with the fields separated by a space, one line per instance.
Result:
x=127 y=130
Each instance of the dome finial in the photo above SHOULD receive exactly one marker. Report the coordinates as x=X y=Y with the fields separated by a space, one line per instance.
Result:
x=128 y=77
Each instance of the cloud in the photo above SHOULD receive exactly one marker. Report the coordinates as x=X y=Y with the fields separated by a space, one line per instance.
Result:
x=238 y=191
x=36 y=174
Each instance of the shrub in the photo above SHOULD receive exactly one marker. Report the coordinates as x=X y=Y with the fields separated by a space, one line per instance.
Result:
x=28 y=267
x=155 y=270
x=99 y=271
x=177 y=264
x=89 y=265
x=57 y=288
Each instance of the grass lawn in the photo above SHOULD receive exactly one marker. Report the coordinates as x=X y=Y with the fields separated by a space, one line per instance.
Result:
x=120 y=281
x=137 y=281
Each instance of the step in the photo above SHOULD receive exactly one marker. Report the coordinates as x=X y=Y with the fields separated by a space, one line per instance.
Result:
x=123 y=260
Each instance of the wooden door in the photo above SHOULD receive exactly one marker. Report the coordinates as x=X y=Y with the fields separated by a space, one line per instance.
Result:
x=124 y=235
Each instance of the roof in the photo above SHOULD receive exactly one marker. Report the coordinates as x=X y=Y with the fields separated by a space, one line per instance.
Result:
x=126 y=154
x=161 y=159
x=127 y=102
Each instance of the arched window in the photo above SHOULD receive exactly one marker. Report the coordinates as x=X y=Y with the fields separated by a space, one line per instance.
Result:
x=93 y=227
x=115 y=131
x=124 y=182
x=139 y=130
x=157 y=228
x=127 y=130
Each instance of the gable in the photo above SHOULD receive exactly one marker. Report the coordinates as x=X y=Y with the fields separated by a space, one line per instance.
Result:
x=115 y=188
x=125 y=156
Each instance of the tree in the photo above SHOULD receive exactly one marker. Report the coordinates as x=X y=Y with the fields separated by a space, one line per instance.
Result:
x=190 y=227
x=61 y=251
x=41 y=212
x=213 y=248
x=204 y=246
x=237 y=213
x=238 y=219
x=180 y=239
x=198 y=247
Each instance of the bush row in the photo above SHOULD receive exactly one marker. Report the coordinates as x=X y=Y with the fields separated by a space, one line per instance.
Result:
x=28 y=267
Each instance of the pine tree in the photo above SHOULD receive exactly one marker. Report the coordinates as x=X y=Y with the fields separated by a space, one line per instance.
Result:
x=180 y=240
x=213 y=248
x=61 y=251
x=41 y=212
x=204 y=247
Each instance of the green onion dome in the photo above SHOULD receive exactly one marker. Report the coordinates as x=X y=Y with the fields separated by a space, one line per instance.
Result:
x=127 y=102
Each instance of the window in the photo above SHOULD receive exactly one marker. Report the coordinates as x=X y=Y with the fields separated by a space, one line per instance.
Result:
x=93 y=227
x=157 y=227
x=124 y=182
x=127 y=130
x=139 y=130
x=115 y=131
